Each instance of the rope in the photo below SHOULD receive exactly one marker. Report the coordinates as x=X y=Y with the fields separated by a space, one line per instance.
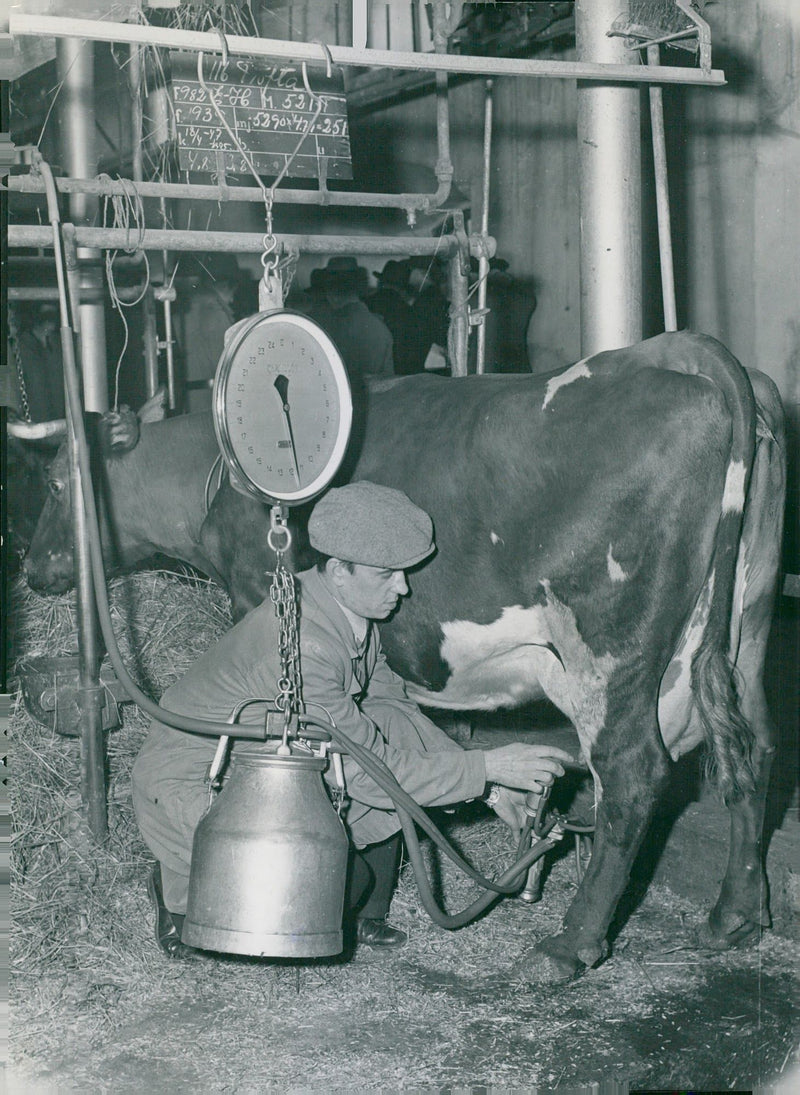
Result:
x=127 y=211
x=276 y=266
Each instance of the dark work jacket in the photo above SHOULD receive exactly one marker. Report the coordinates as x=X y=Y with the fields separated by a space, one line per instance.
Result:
x=354 y=685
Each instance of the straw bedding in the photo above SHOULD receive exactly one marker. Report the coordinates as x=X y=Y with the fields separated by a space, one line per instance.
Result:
x=96 y=1007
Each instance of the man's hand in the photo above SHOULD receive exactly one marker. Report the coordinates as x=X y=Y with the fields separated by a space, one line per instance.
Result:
x=525 y=767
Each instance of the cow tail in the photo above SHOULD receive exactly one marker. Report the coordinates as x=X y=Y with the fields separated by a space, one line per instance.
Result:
x=729 y=736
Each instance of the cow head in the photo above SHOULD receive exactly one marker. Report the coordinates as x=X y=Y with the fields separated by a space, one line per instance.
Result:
x=49 y=563
x=48 y=566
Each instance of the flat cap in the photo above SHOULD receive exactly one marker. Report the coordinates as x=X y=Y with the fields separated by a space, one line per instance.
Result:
x=373 y=525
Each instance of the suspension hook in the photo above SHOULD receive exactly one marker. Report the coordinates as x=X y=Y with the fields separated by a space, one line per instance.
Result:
x=278 y=527
x=269 y=257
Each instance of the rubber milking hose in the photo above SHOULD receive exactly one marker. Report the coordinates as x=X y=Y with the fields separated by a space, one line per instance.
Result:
x=405 y=804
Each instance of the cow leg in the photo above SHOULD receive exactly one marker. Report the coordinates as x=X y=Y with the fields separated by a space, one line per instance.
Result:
x=630 y=769
x=742 y=905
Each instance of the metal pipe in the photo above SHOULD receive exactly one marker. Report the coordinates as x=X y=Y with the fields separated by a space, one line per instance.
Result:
x=135 y=69
x=149 y=325
x=49 y=26
x=167 y=295
x=662 y=198
x=150 y=343
x=610 y=190
x=458 y=335
x=444 y=165
x=410 y=202
x=75 y=63
x=72 y=264
x=483 y=262
x=168 y=347
x=154 y=239
x=90 y=697
x=93 y=342
x=41 y=292
x=28 y=184
x=90 y=693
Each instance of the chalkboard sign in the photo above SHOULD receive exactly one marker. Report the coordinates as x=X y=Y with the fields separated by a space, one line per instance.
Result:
x=268 y=108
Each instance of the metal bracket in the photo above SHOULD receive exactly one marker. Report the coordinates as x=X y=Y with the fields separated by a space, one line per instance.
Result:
x=53 y=696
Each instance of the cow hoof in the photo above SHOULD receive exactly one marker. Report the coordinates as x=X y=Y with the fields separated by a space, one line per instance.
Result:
x=714 y=937
x=728 y=926
x=550 y=963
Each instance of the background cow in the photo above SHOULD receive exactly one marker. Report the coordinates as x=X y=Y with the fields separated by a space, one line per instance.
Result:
x=608 y=537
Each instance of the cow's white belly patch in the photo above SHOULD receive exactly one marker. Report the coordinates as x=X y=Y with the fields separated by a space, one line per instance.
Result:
x=677 y=717
x=508 y=662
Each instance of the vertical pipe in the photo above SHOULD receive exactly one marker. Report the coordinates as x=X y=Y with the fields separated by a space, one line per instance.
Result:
x=149 y=325
x=4 y=558
x=150 y=342
x=137 y=109
x=75 y=63
x=90 y=693
x=458 y=335
x=444 y=164
x=360 y=20
x=483 y=262
x=610 y=188
x=168 y=295
x=171 y=391
x=662 y=198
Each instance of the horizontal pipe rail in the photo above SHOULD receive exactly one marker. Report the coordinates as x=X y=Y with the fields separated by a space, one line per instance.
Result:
x=293 y=52
x=30 y=184
x=86 y=294
x=157 y=239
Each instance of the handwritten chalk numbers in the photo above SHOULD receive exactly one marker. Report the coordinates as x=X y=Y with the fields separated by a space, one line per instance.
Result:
x=268 y=110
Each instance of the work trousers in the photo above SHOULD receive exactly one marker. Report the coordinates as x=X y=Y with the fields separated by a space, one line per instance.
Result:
x=372 y=875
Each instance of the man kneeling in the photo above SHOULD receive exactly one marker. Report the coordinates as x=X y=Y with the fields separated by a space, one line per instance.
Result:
x=366 y=537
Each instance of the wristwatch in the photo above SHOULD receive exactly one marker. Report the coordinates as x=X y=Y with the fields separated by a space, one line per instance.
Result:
x=492 y=796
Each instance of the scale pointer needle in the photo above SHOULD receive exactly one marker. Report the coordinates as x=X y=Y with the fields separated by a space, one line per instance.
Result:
x=282 y=388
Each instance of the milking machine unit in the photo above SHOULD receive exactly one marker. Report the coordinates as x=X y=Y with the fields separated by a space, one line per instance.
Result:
x=270 y=855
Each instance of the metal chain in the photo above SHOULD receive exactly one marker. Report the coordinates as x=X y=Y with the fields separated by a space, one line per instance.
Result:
x=23 y=390
x=283 y=595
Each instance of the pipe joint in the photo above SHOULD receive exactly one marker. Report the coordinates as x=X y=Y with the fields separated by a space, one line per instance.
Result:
x=91 y=700
x=482 y=247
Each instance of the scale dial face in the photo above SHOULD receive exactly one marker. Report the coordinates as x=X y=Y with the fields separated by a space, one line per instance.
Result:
x=282 y=407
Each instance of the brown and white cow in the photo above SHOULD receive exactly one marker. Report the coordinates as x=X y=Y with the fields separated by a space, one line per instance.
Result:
x=607 y=537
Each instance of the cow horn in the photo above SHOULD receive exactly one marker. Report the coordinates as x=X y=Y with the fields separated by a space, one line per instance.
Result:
x=37 y=431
